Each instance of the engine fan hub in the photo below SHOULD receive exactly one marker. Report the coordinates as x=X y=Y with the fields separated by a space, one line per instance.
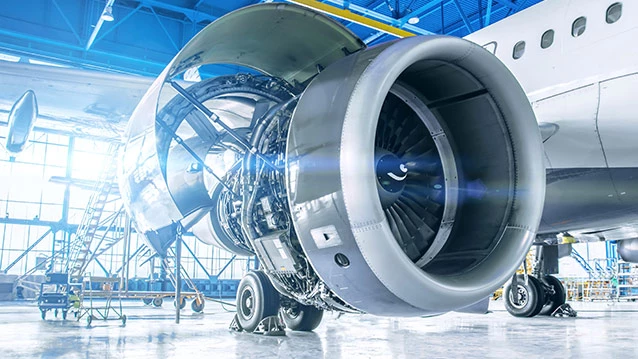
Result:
x=391 y=177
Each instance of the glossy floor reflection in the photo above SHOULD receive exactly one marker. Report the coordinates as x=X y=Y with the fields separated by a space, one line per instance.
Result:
x=601 y=330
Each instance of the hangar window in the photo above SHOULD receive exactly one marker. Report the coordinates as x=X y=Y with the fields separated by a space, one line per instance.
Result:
x=614 y=12
x=519 y=50
x=547 y=39
x=579 y=26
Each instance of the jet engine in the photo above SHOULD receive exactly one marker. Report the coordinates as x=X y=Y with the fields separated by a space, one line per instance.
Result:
x=402 y=179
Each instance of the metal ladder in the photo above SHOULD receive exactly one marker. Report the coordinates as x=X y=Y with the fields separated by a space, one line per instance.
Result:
x=583 y=263
x=105 y=241
x=79 y=253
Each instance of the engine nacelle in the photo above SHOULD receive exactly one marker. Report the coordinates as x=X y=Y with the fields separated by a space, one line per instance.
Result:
x=628 y=250
x=465 y=181
x=401 y=179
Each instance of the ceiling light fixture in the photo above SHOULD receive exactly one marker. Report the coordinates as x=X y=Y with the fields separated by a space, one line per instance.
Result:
x=413 y=20
x=107 y=14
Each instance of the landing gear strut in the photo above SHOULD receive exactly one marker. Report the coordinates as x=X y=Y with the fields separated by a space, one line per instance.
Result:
x=527 y=295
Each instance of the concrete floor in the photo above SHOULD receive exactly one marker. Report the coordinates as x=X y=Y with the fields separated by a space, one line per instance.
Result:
x=602 y=330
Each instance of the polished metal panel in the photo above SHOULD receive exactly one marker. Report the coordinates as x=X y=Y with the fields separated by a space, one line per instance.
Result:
x=281 y=40
x=590 y=199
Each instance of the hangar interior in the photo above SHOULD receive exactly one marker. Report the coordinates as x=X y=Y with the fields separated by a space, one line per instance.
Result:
x=60 y=193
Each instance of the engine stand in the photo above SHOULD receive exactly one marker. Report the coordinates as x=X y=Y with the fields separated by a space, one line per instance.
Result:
x=271 y=326
x=565 y=310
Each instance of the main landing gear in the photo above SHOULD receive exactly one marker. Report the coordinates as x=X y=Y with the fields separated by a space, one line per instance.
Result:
x=260 y=309
x=539 y=293
x=533 y=296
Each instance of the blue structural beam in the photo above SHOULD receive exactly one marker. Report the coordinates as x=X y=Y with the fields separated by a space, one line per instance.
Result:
x=488 y=13
x=142 y=39
x=146 y=34
x=466 y=21
x=380 y=17
x=196 y=259
x=469 y=19
x=26 y=251
x=230 y=261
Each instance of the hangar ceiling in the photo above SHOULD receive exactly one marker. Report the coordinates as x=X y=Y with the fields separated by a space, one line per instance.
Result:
x=145 y=34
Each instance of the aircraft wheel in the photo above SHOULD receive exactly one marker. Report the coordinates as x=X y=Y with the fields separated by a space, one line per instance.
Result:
x=554 y=300
x=303 y=318
x=256 y=300
x=197 y=307
x=182 y=303
x=531 y=297
x=157 y=302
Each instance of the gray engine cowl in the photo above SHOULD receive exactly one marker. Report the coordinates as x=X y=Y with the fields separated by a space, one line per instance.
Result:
x=628 y=250
x=370 y=247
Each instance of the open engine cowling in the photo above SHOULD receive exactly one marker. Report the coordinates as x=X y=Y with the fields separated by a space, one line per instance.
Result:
x=402 y=179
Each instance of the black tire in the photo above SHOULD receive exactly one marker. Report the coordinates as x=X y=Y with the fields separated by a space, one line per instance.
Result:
x=256 y=300
x=64 y=312
x=182 y=305
x=157 y=302
x=554 y=300
x=531 y=297
x=303 y=318
x=147 y=301
x=43 y=314
x=198 y=307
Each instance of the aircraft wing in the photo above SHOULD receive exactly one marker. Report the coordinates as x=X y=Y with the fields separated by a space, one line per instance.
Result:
x=75 y=101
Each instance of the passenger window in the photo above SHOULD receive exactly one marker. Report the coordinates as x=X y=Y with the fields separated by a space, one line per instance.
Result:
x=547 y=39
x=579 y=25
x=491 y=47
x=614 y=12
x=519 y=50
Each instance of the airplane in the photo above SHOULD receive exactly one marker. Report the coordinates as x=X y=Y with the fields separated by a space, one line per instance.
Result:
x=405 y=179
x=573 y=59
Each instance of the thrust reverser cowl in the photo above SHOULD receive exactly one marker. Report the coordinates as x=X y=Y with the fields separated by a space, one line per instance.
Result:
x=280 y=40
